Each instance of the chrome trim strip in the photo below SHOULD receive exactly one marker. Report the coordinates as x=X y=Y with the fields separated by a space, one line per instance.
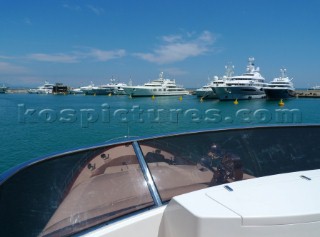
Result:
x=147 y=175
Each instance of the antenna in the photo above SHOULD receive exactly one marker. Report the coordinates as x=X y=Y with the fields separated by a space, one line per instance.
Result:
x=229 y=70
x=130 y=82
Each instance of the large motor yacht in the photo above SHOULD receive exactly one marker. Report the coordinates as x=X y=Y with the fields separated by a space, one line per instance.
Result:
x=254 y=181
x=249 y=85
x=3 y=89
x=207 y=91
x=157 y=87
x=46 y=88
x=113 y=87
x=280 y=87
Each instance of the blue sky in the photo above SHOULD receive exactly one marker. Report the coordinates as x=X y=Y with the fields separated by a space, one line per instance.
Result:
x=79 y=41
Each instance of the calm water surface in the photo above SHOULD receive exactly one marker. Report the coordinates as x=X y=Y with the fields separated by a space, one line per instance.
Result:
x=37 y=125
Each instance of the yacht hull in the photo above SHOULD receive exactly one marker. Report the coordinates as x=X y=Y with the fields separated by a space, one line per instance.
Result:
x=240 y=93
x=206 y=94
x=145 y=92
x=3 y=90
x=100 y=91
x=279 y=93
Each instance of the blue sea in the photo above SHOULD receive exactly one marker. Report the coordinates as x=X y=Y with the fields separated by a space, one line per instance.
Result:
x=33 y=126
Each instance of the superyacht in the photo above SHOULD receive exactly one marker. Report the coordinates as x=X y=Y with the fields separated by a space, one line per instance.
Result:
x=113 y=87
x=3 y=89
x=208 y=91
x=46 y=88
x=280 y=87
x=157 y=87
x=249 y=85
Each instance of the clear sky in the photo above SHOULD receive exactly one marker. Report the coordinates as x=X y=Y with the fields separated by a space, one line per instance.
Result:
x=78 y=41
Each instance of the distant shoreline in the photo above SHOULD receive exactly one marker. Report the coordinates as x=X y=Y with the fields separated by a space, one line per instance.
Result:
x=17 y=91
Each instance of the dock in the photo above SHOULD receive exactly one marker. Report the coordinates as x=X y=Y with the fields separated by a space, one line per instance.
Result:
x=308 y=93
x=17 y=91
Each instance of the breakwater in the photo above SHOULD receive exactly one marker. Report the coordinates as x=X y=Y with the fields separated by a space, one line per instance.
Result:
x=308 y=93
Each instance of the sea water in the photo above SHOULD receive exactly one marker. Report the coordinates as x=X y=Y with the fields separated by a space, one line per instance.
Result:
x=37 y=125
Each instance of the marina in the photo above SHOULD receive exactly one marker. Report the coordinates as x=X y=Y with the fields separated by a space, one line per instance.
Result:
x=78 y=120
x=159 y=119
x=166 y=160
x=249 y=85
x=303 y=93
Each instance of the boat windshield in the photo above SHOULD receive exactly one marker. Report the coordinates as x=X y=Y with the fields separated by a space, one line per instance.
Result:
x=190 y=162
x=73 y=192
x=68 y=193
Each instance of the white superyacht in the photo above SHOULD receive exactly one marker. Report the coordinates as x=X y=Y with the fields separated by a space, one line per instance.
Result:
x=157 y=87
x=207 y=91
x=46 y=88
x=114 y=87
x=280 y=87
x=3 y=89
x=249 y=85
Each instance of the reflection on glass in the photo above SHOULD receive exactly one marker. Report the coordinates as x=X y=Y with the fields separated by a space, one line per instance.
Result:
x=69 y=193
x=184 y=163
x=108 y=185
x=173 y=171
x=188 y=163
x=226 y=166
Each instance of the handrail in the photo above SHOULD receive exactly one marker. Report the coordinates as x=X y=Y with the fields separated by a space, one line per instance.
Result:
x=147 y=175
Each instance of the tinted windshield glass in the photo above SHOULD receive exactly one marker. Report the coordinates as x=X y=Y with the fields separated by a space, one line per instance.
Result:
x=184 y=163
x=63 y=196
x=72 y=192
